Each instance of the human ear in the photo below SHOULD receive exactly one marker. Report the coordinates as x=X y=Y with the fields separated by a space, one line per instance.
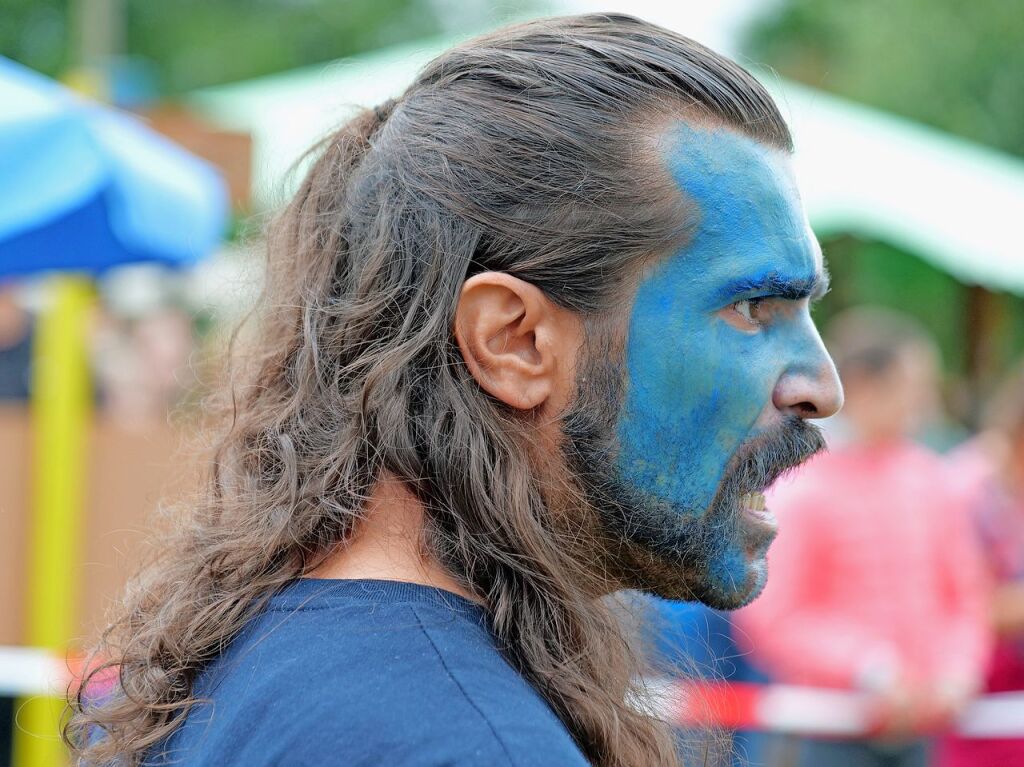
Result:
x=518 y=344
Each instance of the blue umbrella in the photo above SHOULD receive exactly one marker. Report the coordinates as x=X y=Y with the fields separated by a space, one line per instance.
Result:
x=84 y=187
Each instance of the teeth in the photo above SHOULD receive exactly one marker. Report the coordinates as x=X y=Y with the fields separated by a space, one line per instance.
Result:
x=754 y=501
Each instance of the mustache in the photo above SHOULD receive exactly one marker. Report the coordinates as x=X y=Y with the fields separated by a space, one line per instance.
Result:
x=762 y=460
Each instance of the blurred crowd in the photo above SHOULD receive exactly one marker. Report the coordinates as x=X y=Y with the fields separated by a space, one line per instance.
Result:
x=898 y=570
x=141 y=350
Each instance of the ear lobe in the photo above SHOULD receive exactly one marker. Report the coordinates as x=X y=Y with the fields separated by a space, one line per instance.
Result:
x=508 y=333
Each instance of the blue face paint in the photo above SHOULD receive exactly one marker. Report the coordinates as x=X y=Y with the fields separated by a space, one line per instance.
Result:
x=698 y=384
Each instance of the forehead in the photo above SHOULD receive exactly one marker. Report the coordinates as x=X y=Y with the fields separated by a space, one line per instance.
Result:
x=749 y=216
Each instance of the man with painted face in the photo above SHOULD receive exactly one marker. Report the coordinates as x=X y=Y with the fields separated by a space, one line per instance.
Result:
x=535 y=332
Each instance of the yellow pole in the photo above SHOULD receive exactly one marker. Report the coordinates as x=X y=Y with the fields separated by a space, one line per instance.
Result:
x=61 y=395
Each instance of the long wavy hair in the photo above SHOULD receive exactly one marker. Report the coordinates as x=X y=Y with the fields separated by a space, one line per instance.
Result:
x=525 y=151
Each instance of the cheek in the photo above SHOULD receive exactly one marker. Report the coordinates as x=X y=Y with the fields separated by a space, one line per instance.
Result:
x=694 y=394
x=726 y=385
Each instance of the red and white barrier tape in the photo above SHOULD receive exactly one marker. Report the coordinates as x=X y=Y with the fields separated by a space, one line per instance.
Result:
x=733 y=705
x=28 y=671
x=814 y=711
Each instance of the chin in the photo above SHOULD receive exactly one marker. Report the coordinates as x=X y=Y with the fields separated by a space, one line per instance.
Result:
x=726 y=578
x=718 y=558
x=731 y=594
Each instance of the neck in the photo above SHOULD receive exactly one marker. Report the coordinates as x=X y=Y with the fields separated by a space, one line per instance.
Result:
x=388 y=544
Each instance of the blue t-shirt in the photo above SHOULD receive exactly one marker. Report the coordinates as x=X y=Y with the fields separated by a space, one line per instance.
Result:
x=364 y=672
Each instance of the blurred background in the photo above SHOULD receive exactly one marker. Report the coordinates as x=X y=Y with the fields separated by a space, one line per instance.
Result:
x=909 y=124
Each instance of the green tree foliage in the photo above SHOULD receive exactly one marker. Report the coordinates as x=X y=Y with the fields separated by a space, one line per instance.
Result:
x=194 y=43
x=957 y=65
x=34 y=32
x=199 y=42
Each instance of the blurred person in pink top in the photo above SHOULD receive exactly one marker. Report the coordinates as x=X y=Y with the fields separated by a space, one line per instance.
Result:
x=994 y=464
x=876 y=582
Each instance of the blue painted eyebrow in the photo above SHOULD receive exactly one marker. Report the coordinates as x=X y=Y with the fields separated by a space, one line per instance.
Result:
x=775 y=284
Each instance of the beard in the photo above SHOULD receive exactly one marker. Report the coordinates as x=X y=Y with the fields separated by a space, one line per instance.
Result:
x=714 y=555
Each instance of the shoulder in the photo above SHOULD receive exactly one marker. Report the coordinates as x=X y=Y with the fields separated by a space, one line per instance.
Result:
x=505 y=709
x=403 y=684
x=924 y=457
x=933 y=476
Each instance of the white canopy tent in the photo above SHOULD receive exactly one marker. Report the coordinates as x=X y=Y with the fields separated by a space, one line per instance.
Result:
x=956 y=204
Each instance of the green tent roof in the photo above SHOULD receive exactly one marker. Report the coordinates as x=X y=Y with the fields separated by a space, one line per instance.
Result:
x=954 y=203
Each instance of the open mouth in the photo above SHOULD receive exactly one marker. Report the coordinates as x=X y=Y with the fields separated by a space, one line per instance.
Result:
x=754 y=506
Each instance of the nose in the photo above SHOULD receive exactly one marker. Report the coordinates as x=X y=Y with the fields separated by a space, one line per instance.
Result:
x=813 y=392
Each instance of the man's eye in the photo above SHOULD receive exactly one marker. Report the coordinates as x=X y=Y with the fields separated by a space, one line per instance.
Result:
x=751 y=310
